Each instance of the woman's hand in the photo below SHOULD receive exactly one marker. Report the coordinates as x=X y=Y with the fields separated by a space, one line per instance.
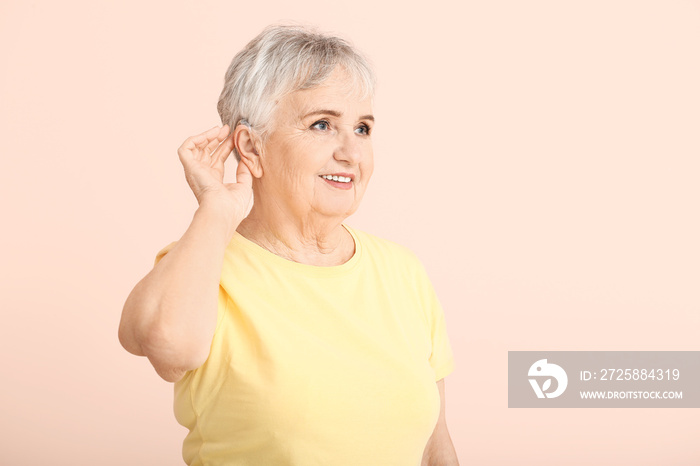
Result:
x=203 y=158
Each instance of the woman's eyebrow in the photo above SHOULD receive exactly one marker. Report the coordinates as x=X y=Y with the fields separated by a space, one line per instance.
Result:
x=334 y=113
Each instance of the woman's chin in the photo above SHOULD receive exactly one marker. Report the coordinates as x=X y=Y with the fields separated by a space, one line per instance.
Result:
x=338 y=210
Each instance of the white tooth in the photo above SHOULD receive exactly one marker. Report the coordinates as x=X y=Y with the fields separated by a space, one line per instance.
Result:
x=340 y=179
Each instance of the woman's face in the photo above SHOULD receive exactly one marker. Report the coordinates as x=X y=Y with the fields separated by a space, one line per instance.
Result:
x=315 y=134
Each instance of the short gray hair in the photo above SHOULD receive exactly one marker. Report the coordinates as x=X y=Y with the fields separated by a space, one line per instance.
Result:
x=280 y=60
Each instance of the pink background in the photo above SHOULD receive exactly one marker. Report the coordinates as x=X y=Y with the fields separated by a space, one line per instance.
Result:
x=541 y=158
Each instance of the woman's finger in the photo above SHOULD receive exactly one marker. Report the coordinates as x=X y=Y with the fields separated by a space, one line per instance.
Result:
x=209 y=149
x=243 y=175
x=201 y=139
x=211 y=146
x=221 y=153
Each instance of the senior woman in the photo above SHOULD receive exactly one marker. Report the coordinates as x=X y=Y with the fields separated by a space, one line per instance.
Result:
x=292 y=338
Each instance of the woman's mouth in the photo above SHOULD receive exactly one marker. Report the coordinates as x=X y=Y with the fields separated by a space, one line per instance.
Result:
x=338 y=181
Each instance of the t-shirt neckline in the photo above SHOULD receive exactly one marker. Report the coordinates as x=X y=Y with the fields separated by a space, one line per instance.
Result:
x=263 y=254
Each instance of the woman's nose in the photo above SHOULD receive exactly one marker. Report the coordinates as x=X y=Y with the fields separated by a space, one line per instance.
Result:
x=349 y=147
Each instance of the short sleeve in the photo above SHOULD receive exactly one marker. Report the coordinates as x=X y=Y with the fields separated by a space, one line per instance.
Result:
x=441 y=357
x=163 y=252
x=223 y=297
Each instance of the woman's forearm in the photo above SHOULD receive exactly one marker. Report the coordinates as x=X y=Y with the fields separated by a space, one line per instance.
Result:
x=170 y=315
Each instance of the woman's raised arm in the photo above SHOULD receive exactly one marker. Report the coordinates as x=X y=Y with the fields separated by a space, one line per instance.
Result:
x=170 y=315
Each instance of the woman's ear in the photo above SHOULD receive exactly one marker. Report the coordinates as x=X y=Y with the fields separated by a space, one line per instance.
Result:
x=244 y=141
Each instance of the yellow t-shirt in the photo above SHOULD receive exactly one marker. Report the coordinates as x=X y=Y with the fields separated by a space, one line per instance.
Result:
x=318 y=365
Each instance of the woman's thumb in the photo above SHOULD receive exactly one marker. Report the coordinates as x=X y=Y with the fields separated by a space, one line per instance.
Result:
x=243 y=175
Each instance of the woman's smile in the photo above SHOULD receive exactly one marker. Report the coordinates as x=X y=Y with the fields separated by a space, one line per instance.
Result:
x=339 y=180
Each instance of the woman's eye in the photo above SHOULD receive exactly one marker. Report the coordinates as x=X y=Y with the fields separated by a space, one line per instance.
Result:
x=321 y=124
x=364 y=129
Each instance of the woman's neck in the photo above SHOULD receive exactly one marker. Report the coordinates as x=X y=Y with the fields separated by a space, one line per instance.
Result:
x=310 y=241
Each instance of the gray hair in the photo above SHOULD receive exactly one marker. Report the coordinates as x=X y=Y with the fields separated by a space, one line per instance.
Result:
x=280 y=60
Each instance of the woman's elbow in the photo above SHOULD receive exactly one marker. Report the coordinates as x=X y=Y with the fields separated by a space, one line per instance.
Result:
x=126 y=333
x=172 y=354
x=171 y=351
x=136 y=313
